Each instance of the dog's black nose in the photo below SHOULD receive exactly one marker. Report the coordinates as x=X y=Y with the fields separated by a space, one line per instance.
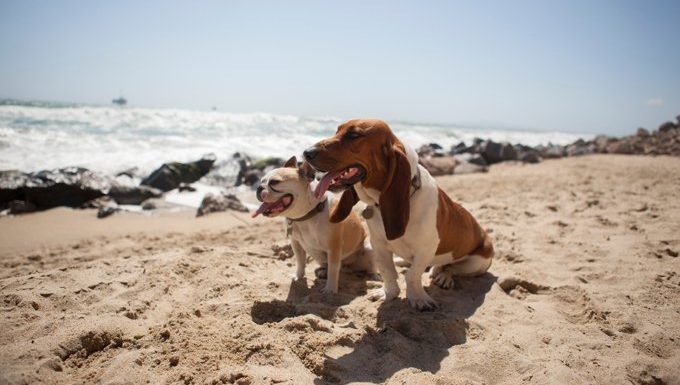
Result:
x=258 y=193
x=310 y=153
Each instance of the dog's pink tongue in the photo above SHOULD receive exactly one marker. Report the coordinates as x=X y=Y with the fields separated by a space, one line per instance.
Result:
x=263 y=207
x=324 y=184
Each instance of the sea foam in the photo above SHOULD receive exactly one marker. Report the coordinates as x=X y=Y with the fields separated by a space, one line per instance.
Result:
x=110 y=139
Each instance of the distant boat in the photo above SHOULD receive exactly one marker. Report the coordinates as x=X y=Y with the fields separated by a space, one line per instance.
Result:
x=121 y=101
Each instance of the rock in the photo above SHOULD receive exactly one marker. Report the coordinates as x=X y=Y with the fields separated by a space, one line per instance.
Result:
x=133 y=195
x=215 y=203
x=602 y=142
x=641 y=132
x=170 y=175
x=107 y=211
x=580 y=147
x=431 y=149
x=149 y=205
x=442 y=165
x=666 y=127
x=620 y=147
x=21 y=207
x=552 y=151
x=527 y=154
x=252 y=177
x=98 y=203
x=469 y=168
x=497 y=152
x=471 y=158
x=70 y=186
x=530 y=157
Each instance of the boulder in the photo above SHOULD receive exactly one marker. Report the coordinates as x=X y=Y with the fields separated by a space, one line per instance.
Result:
x=215 y=203
x=497 y=152
x=527 y=154
x=580 y=147
x=551 y=151
x=439 y=165
x=666 y=127
x=431 y=149
x=602 y=142
x=107 y=211
x=170 y=175
x=643 y=133
x=21 y=207
x=70 y=186
x=133 y=195
x=620 y=147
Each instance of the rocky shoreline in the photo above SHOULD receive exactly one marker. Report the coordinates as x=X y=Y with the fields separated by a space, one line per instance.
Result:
x=82 y=188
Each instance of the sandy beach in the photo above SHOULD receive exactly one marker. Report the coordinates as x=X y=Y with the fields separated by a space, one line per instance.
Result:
x=584 y=289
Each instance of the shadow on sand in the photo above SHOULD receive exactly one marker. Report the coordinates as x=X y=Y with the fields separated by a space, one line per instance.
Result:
x=304 y=299
x=406 y=338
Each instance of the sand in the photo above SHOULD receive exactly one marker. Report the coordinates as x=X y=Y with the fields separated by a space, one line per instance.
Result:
x=584 y=289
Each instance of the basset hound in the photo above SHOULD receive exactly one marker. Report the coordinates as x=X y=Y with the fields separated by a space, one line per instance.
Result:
x=407 y=213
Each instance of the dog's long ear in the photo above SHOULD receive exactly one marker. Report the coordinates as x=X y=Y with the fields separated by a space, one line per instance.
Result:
x=292 y=162
x=306 y=171
x=394 y=198
x=347 y=201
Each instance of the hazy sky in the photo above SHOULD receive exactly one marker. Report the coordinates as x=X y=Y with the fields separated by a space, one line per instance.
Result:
x=585 y=66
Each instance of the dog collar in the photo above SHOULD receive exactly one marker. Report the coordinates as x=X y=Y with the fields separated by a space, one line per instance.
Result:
x=317 y=209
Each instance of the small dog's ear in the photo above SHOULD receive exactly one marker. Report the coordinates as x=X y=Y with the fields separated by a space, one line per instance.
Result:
x=292 y=162
x=306 y=171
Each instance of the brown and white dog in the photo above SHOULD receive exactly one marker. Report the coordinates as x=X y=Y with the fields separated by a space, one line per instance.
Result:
x=408 y=214
x=288 y=191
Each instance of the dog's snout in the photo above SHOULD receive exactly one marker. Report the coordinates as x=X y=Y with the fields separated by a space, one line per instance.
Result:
x=258 y=193
x=310 y=153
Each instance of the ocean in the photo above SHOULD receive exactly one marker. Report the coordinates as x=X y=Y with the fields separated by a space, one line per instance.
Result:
x=42 y=135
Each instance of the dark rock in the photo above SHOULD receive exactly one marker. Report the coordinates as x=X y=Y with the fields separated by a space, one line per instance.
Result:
x=21 y=207
x=530 y=157
x=252 y=177
x=215 y=203
x=71 y=186
x=552 y=151
x=498 y=152
x=431 y=149
x=666 y=127
x=641 y=132
x=107 y=211
x=133 y=195
x=148 y=206
x=170 y=175
x=439 y=165
x=580 y=147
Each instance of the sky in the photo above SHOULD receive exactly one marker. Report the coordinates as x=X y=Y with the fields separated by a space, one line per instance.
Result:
x=579 y=66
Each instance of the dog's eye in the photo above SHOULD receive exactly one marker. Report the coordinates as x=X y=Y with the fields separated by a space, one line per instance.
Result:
x=351 y=135
x=274 y=182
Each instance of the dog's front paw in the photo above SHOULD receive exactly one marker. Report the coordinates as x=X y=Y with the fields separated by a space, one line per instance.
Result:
x=444 y=279
x=385 y=293
x=329 y=289
x=423 y=302
x=321 y=272
x=297 y=277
